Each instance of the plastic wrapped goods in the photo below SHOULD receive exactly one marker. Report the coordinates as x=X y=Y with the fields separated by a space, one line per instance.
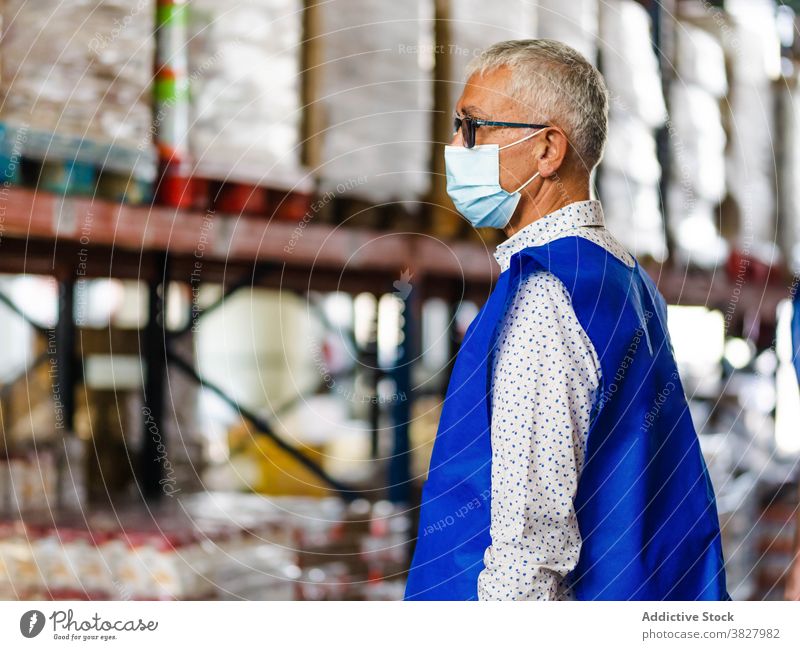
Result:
x=629 y=63
x=244 y=77
x=76 y=78
x=376 y=98
x=693 y=224
x=751 y=162
x=633 y=213
x=631 y=149
x=573 y=22
x=754 y=45
x=700 y=60
x=629 y=183
x=475 y=25
x=754 y=51
x=698 y=141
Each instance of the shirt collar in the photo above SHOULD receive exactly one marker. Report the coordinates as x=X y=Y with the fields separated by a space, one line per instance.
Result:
x=551 y=226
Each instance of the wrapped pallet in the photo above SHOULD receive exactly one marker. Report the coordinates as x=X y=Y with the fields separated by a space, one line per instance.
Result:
x=76 y=78
x=697 y=142
x=574 y=23
x=631 y=149
x=244 y=76
x=376 y=98
x=755 y=63
x=629 y=63
x=633 y=214
x=700 y=59
x=629 y=184
x=475 y=25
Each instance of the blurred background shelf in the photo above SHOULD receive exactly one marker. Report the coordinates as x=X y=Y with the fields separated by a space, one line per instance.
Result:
x=45 y=233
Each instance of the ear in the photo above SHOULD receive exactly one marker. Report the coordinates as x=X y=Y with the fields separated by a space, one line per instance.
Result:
x=552 y=151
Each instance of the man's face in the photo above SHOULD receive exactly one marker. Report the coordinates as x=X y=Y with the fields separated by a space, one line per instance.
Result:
x=485 y=96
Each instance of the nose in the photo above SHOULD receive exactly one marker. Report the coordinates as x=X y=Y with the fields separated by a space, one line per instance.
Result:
x=457 y=140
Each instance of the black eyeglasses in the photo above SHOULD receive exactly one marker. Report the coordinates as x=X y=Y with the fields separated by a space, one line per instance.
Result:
x=469 y=125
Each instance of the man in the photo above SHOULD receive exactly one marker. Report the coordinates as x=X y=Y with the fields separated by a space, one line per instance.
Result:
x=566 y=465
x=792 y=588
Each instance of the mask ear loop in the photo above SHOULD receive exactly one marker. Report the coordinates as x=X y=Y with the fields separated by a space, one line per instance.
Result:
x=522 y=187
x=527 y=137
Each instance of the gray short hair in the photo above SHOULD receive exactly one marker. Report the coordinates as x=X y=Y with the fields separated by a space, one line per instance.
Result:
x=559 y=85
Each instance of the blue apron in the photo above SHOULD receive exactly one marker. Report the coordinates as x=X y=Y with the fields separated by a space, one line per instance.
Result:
x=795 y=325
x=645 y=504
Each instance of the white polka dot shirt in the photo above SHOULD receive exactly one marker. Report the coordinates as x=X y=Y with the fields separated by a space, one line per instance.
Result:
x=545 y=375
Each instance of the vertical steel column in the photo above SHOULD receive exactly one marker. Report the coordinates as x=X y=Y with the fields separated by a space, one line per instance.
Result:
x=154 y=348
x=372 y=374
x=63 y=372
x=63 y=349
x=400 y=462
x=663 y=46
x=453 y=341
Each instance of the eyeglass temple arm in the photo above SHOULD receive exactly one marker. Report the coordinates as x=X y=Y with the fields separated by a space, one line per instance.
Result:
x=510 y=124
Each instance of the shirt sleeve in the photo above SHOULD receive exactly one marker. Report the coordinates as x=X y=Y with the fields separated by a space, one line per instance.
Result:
x=545 y=375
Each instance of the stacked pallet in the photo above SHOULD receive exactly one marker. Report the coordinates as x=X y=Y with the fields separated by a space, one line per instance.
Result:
x=75 y=113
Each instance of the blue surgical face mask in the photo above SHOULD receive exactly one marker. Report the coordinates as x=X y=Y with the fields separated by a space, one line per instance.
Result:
x=473 y=184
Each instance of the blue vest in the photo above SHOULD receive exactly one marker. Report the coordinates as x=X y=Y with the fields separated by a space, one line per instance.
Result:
x=795 y=328
x=645 y=504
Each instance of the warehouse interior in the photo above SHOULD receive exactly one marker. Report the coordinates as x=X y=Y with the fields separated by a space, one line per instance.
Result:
x=232 y=284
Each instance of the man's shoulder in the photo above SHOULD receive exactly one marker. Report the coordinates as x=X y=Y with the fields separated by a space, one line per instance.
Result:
x=602 y=236
x=541 y=284
x=574 y=270
x=568 y=247
x=540 y=302
x=541 y=319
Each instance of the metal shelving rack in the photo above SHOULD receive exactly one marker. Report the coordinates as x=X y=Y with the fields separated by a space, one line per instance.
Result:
x=77 y=237
x=46 y=234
